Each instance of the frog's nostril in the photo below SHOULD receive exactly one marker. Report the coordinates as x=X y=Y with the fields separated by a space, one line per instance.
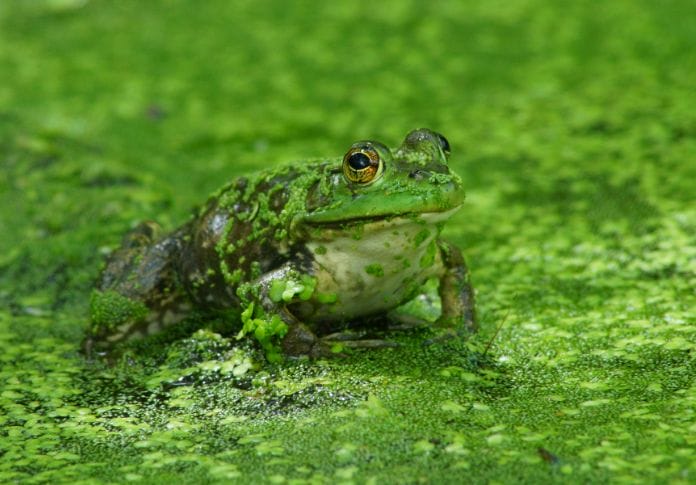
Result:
x=418 y=174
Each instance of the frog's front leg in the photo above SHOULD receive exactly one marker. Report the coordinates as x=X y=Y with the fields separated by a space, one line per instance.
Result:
x=267 y=315
x=456 y=293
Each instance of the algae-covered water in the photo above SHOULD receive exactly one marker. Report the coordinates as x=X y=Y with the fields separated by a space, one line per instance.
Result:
x=573 y=125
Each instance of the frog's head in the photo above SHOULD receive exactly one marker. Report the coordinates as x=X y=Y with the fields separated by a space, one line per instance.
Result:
x=374 y=183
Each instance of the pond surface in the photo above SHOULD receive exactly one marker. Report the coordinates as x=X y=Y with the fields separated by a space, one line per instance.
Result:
x=574 y=130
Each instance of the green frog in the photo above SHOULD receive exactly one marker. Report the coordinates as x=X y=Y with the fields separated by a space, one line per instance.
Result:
x=301 y=250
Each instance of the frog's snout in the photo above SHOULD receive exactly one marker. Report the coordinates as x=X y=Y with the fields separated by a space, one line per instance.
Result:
x=421 y=174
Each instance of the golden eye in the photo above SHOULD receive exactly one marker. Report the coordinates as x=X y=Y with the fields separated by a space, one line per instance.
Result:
x=362 y=165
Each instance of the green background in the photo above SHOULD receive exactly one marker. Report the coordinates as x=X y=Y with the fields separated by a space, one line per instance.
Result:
x=573 y=125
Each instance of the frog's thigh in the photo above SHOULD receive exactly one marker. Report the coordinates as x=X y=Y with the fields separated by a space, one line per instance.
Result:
x=456 y=293
x=140 y=278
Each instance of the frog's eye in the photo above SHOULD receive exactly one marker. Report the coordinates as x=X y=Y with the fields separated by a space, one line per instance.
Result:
x=362 y=165
x=444 y=144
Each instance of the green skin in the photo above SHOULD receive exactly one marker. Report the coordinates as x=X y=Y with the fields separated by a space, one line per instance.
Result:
x=302 y=250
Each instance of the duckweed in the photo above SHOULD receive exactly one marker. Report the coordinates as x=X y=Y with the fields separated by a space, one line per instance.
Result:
x=573 y=128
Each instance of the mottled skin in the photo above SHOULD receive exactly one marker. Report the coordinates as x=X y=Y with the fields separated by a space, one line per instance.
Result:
x=303 y=249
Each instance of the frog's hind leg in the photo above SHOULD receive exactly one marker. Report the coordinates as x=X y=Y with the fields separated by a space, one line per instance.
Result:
x=138 y=293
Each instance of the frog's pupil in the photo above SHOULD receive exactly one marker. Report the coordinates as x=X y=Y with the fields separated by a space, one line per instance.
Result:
x=444 y=144
x=358 y=161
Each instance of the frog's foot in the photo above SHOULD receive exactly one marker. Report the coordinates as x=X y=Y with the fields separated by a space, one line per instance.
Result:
x=300 y=341
x=448 y=331
x=442 y=337
x=355 y=341
x=404 y=321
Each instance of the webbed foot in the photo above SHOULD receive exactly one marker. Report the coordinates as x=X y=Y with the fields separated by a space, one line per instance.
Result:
x=354 y=340
x=300 y=341
x=446 y=335
x=404 y=321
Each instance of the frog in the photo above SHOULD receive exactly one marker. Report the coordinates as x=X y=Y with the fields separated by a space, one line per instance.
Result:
x=301 y=251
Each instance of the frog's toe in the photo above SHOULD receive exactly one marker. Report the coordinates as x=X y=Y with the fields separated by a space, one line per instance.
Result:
x=461 y=325
x=448 y=334
x=332 y=346
x=299 y=341
x=342 y=336
x=369 y=344
x=406 y=322
x=352 y=340
x=326 y=349
x=441 y=337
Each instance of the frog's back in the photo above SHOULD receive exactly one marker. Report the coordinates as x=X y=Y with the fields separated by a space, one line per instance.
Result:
x=242 y=232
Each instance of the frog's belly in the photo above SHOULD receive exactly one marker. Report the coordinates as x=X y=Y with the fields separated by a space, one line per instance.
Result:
x=373 y=271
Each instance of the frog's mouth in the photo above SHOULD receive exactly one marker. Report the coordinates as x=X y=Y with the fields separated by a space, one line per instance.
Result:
x=430 y=217
x=358 y=228
x=401 y=202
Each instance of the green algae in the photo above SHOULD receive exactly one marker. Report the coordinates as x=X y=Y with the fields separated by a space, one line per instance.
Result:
x=572 y=127
x=374 y=269
x=266 y=329
x=109 y=309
